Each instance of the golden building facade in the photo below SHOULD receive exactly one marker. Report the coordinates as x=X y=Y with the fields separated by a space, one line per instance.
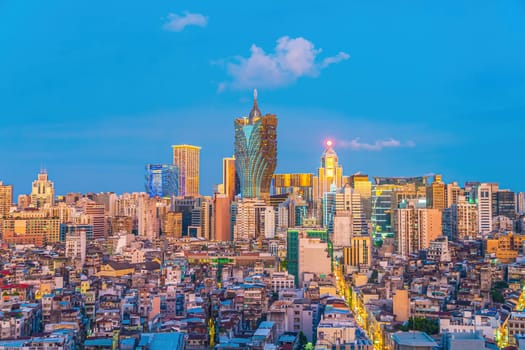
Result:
x=187 y=159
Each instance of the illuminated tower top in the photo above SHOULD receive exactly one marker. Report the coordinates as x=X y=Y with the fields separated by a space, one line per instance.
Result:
x=330 y=174
x=255 y=112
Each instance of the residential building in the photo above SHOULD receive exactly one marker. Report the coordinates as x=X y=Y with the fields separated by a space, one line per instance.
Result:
x=416 y=226
x=485 y=213
x=6 y=199
x=436 y=194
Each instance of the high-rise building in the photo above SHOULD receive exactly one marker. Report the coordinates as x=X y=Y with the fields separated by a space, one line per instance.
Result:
x=504 y=204
x=348 y=199
x=255 y=152
x=387 y=193
x=249 y=220
x=452 y=193
x=6 y=199
x=43 y=191
x=301 y=185
x=484 y=200
x=221 y=217
x=24 y=201
x=292 y=212
x=173 y=225
x=520 y=201
x=228 y=177
x=162 y=180
x=362 y=185
x=308 y=251
x=96 y=215
x=360 y=253
x=76 y=244
x=436 y=194
x=30 y=228
x=342 y=229
x=382 y=209
x=187 y=160
x=416 y=226
x=460 y=221
x=330 y=173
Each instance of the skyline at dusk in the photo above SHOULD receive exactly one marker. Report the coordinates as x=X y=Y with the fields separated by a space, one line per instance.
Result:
x=94 y=93
x=293 y=175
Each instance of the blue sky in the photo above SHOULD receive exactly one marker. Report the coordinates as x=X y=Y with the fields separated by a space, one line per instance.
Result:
x=94 y=90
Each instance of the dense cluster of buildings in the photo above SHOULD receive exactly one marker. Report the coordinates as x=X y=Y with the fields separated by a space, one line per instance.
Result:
x=269 y=261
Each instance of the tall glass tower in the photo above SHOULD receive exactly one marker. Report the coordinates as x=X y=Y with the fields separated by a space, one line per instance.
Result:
x=162 y=180
x=255 y=152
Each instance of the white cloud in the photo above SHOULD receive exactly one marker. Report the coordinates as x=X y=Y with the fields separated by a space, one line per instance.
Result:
x=178 y=23
x=341 y=56
x=378 y=145
x=292 y=58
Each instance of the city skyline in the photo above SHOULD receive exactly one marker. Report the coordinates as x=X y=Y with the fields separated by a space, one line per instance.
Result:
x=418 y=89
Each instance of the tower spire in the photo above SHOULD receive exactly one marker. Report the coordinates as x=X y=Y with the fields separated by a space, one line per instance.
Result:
x=255 y=112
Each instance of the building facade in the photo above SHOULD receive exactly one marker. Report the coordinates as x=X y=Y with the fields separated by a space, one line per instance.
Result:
x=187 y=160
x=42 y=191
x=162 y=180
x=255 y=152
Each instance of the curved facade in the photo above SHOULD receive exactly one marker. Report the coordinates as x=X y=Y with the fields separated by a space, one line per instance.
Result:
x=255 y=152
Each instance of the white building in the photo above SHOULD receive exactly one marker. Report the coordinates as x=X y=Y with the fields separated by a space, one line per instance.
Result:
x=269 y=222
x=313 y=257
x=76 y=245
x=247 y=223
x=281 y=280
x=488 y=322
x=484 y=197
x=438 y=250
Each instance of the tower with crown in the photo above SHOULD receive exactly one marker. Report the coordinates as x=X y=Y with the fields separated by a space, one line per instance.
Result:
x=255 y=152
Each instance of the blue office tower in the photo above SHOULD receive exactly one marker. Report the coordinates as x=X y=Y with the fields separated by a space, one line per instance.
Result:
x=162 y=180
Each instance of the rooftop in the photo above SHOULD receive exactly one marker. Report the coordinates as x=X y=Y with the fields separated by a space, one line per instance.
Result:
x=413 y=339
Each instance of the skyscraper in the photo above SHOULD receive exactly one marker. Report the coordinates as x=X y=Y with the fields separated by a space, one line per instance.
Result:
x=162 y=180
x=228 y=177
x=329 y=174
x=187 y=159
x=6 y=199
x=222 y=217
x=436 y=194
x=460 y=221
x=504 y=204
x=362 y=185
x=255 y=152
x=521 y=203
x=415 y=226
x=484 y=200
x=42 y=191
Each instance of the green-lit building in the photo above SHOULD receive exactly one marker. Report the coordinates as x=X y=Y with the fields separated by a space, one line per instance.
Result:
x=292 y=247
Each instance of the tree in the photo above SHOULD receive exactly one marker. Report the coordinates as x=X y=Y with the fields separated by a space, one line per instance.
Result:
x=422 y=324
x=373 y=277
x=496 y=296
x=302 y=340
